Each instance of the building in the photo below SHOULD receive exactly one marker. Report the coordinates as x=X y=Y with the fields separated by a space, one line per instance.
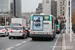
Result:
x=50 y=7
x=54 y=8
x=39 y=9
x=27 y=16
x=61 y=8
x=17 y=8
x=47 y=7
x=9 y=8
x=73 y=5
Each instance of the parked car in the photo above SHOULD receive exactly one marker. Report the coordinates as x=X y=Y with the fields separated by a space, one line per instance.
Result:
x=3 y=31
x=27 y=30
x=17 y=31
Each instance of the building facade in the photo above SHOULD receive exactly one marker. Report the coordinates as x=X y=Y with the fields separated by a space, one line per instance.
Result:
x=61 y=8
x=50 y=7
x=47 y=7
x=39 y=9
x=9 y=9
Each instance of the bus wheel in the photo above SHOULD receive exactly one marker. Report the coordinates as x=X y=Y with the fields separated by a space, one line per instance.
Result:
x=33 y=39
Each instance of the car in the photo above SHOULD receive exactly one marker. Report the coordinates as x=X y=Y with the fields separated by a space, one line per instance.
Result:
x=8 y=27
x=27 y=30
x=17 y=31
x=3 y=31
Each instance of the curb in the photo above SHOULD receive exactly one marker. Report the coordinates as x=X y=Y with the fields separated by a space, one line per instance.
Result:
x=63 y=42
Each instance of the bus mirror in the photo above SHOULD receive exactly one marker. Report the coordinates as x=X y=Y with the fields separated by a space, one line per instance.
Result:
x=56 y=21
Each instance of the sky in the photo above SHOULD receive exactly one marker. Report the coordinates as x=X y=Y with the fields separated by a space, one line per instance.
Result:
x=30 y=5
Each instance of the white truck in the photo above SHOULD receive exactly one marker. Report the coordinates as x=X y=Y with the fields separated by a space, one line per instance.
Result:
x=18 y=20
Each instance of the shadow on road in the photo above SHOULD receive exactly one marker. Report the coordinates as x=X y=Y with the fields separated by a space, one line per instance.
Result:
x=43 y=39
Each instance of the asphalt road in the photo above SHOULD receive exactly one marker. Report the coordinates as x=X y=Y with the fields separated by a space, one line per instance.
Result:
x=28 y=44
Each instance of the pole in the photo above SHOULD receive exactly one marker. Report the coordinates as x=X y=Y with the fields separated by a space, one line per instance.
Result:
x=67 y=16
x=5 y=20
x=70 y=21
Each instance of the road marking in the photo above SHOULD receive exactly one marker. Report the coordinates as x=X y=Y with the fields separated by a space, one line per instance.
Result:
x=18 y=44
x=22 y=46
x=9 y=48
x=24 y=42
x=55 y=43
x=28 y=39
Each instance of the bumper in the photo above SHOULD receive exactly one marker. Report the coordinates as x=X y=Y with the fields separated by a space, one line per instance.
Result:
x=2 y=33
x=41 y=35
x=16 y=35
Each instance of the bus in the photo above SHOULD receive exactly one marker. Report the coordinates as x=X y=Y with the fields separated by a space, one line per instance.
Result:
x=43 y=26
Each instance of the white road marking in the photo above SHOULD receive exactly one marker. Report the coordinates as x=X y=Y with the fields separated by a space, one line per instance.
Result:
x=55 y=43
x=9 y=48
x=18 y=44
x=22 y=46
x=24 y=42
x=28 y=39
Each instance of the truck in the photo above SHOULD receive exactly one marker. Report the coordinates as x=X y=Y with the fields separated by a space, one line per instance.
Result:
x=18 y=21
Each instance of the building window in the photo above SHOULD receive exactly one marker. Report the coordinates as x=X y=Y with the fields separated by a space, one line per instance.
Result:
x=60 y=3
x=63 y=8
x=69 y=3
x=60 y=12
x=47 y=2
x=63 y=13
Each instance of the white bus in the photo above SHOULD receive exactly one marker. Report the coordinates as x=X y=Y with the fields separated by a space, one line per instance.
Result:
x=42 y=26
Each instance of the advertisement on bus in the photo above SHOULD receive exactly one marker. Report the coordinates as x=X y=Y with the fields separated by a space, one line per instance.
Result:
x=38 y=23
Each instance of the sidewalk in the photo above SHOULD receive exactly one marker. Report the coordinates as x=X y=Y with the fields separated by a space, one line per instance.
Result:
x=66 y=44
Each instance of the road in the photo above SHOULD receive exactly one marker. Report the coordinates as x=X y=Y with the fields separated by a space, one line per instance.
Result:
x=28 y=44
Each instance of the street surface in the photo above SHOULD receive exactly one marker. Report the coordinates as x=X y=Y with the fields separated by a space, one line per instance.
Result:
x=28 y=44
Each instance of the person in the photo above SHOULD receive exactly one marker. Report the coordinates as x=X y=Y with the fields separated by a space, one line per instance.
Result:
x=38 y=22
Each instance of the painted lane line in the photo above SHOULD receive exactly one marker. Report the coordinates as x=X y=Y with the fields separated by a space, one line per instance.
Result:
x=24 y=42
x=21 y=46
x=28 y=39
x=10 y=48
x=55 y=43
x=18 y=44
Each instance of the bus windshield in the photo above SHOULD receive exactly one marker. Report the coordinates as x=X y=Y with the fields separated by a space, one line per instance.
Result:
x=38 y=23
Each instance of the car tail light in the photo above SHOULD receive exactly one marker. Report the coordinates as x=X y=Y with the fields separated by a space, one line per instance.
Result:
x=21 y=31
x=28 y=30
x=10 y=31
x=3 y=30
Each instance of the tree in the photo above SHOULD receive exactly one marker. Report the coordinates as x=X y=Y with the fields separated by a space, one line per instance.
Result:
x=73 y=20
x=73 y=24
